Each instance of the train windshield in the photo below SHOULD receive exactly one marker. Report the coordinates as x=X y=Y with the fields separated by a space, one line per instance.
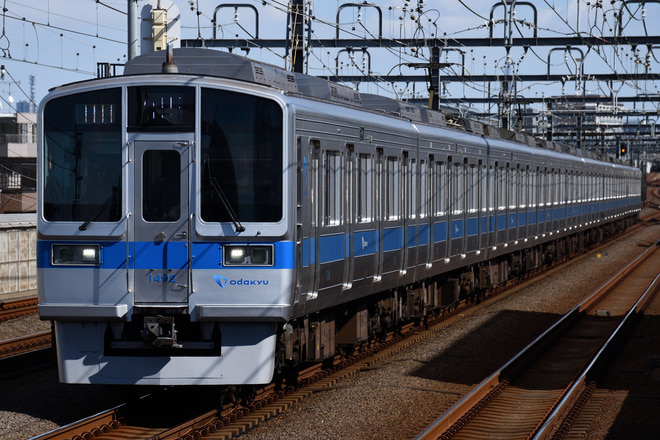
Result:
x=82 y=157
x=241 y=150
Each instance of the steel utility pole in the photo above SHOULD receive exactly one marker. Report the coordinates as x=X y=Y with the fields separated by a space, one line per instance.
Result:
x=297 y=20
x=132 y=29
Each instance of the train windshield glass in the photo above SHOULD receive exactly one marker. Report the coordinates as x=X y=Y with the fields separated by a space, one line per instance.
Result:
x=82 y=157
x=241 y=158
x=161 y=108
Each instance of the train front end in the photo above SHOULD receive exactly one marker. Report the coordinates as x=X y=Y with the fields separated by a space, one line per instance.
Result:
x=164 y=252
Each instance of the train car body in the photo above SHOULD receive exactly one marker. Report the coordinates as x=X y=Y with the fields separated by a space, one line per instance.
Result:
x=209 y=225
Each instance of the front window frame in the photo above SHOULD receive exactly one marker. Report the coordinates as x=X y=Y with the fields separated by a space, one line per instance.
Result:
x=203 y=228
x=95 y=192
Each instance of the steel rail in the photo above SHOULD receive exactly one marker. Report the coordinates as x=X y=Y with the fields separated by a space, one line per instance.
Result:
x=453 y=420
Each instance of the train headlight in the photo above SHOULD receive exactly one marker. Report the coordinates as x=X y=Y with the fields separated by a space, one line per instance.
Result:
x=240 y=255
x=236 y=255
x=75 y=254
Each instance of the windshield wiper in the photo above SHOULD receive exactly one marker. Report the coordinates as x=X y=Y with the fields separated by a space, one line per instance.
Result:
x=225 y=202
x=107 y=203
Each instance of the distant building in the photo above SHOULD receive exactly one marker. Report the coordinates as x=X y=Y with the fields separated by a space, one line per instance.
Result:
x=18 y=162
x=25 y=107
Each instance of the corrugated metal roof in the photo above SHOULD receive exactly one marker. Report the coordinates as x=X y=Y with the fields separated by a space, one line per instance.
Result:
x=24 y=220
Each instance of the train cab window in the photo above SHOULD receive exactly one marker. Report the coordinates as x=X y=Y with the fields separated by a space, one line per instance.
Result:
x=241 y=151
x=161 y=108
x=82 y=157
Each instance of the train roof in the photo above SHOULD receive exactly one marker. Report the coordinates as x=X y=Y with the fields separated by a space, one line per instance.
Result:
x=210 y=62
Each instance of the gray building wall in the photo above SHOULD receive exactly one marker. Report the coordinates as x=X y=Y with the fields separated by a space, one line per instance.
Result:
x=18 y=253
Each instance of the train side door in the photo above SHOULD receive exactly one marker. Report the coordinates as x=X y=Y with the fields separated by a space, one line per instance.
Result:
x=162 y=224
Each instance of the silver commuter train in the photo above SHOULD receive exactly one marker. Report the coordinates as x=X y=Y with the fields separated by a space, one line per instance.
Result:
x=210 y=220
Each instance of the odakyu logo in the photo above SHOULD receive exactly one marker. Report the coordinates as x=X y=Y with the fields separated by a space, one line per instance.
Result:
x=222 y=282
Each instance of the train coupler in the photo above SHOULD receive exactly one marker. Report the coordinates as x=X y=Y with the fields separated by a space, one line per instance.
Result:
x=159 y=331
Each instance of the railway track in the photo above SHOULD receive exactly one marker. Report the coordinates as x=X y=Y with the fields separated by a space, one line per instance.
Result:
x=538 y=392
x=235 y=418
x=25 y=344
x=16 y=308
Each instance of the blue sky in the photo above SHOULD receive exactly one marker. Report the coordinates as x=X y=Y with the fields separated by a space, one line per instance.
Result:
x=61 y=41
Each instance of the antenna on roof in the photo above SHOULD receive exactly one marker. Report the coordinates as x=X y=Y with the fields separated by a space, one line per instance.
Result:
x=169 y=66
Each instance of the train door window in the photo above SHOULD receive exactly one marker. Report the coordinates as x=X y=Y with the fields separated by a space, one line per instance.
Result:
x=440 y=188
x=582 y=188
x=406 y=190
x=588 y=193
x=492 y=187
x=457 y=188
x=412 y=193
x=161 y=183
x=513 y=188
x=502 y=188
x=574 y=187
x=300 y=174
x=483 y=193
x=533 y=176
x=531 y=179
x=349 y=184
x=524 y=187
x=472 y=188
x=540 y=186
x=423 y=189
x=585 y=189
x=392 y=188
x=315 y=147
x=332 y=188
x=365 y=189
